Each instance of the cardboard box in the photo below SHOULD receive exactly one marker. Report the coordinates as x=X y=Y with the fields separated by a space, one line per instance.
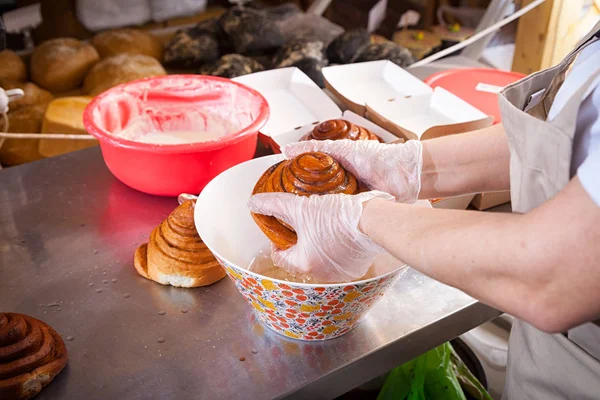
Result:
x=453 y=203
x=484 y=201
x=426 y=116
x=294 y=99
x=297 y=134
x=360 y=83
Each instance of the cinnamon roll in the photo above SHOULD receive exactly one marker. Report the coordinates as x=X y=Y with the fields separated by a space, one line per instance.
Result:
x=305 y=175
x=32 y=354
x=338 y=129
x=176 y=255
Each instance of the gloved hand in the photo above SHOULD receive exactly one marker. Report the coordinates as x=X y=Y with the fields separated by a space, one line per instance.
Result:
x=330 y=246
x=391 y=168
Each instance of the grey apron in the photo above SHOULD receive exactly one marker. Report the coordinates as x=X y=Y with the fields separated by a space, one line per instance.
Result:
x=540 y=365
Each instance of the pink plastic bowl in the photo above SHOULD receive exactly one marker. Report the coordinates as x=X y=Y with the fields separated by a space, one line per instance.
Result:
x=175 y=102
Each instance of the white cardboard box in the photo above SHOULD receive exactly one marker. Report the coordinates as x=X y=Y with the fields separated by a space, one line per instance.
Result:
x=359 y=83
x=426 y=116
x=297 y=134
x=294 y=99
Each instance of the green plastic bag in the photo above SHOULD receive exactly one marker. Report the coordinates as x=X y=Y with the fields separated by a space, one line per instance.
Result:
x=435 y=375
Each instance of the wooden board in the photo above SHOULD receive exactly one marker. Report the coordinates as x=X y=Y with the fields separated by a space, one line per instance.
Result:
x=542 y=36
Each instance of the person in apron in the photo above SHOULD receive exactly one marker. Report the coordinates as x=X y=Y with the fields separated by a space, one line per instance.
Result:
x=549 y=280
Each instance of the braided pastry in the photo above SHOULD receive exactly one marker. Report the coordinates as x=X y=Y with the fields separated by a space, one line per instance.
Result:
x=305 y=175
x=338 y=129
x=176 y=255
x=31 y=355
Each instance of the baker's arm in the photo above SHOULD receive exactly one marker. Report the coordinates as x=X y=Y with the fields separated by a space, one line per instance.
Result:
x=471 y=162
x=541 y=267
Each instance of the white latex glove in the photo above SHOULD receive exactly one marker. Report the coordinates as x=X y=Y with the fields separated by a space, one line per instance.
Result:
x=330 y=246
x=391 y=168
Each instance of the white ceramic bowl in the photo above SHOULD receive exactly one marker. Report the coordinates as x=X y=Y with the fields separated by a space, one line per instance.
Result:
x=297 y=310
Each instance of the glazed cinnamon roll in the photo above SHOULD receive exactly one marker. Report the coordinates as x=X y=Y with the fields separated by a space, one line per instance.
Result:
x=305 y=175
x=32 y=354
x=338 y=129
x=176 y=255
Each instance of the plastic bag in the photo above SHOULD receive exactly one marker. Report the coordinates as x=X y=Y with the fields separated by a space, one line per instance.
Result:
x=435 y=375
x=109 y=14
x=163 y=10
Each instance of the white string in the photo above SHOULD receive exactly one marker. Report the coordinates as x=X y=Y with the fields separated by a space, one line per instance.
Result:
x=478 y=35
x=57 y=136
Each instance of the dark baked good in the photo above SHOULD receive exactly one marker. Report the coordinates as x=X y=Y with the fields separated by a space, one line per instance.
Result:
x=313 y=68
x=304 y=175
x=307 y=55
x=32 y=354
x=386 y=51
x=297 y=50
x=134 y=41
x=343 y=49
x=250 y=31
x=339 y=129
x=176 y=255
x=231 y=66
x=191 y=47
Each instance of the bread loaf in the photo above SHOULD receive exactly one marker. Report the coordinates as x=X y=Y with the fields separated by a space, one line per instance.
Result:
x=64 y=115
x=33 y=94
x=118 y=69
x=12 y=66
x=23 y=120
x=134 y=41
x=61 y=64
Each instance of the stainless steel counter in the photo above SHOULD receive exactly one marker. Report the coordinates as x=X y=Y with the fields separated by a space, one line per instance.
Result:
x=68 y=231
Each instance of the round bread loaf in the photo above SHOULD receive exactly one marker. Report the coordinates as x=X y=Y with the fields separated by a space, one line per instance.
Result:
x=33 y=94
x=61 y=64
x=118 y=69
x=24 y=120
x=12 y=66
x=134 y=41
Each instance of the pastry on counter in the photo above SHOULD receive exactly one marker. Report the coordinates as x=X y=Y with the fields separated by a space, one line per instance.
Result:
x=193 y=47
x=304 y=175
x=231 y=66
x=176 y=255
x=343 y=49
x=33 y=94
x=251 y=31
x=60 y=65
x=12 y=66
x=65 y=115
x=32 y=354
x=118 y=69
x=23 y=120
x=339 y=129
x=399 y=55
x=307 y=55
x=134 y=41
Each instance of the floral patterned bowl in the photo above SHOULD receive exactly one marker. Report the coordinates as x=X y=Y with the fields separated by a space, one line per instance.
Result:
x=296 y=310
